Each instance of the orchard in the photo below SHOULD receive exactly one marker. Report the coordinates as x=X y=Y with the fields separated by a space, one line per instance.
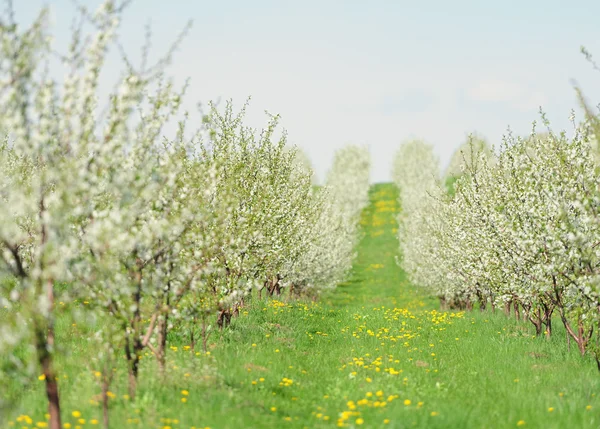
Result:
x=163 y=270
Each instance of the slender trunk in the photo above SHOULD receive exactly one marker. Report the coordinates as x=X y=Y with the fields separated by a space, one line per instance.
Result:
x=482 y=301
x=133 y=361
x=105 y=385
x=134 y=346
x=161 y=354
x=163 y=327
x=581 y=337
x=52 y=394
x=44 y=344
x=548 y=328
x=192 y=339
x=548 y=321
x=44 y=332
x=535 y=318
x=46 y=363
x=443 y=303
x=221 y=319
x=204 y=335
x=547 y=317
x=132 y=384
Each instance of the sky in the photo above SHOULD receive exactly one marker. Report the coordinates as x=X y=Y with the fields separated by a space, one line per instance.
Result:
x=374 y=73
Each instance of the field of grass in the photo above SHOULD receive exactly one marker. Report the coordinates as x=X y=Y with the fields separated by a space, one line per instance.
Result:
x=374 y=353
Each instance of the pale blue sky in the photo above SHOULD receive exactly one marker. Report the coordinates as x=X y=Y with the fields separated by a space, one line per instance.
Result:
x=374 y=72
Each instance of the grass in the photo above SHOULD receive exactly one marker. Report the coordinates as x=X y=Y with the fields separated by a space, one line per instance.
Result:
x=375 y=353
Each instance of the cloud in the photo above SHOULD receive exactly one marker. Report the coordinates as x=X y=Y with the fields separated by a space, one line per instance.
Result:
x=512 y=94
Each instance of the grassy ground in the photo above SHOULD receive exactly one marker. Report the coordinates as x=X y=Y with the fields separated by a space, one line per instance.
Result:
x=374 y=353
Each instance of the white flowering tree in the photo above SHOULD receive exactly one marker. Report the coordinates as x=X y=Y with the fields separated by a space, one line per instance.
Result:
x=149 y=232
x=465 y=155
x=521 y=231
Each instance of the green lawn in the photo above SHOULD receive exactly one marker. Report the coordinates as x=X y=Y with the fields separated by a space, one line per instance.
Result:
x=374 y=353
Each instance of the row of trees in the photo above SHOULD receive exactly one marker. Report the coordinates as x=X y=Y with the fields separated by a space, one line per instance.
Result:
x=519 y=228
x=154 y=233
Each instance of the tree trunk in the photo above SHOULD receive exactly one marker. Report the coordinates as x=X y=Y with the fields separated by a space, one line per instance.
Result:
x=548 y=320
x=535 y=319
x=162 y=343
x=133 y=351
x=133 y=361
x=204 y=335
x=52 y=394
x=224 y=318
x=46 y=364
x=105 y=384
x=44 y=343
x=443 y=303
x=581 y=337
x=192 y=339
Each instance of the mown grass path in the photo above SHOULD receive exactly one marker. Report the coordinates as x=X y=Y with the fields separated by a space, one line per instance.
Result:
x=374 y=353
